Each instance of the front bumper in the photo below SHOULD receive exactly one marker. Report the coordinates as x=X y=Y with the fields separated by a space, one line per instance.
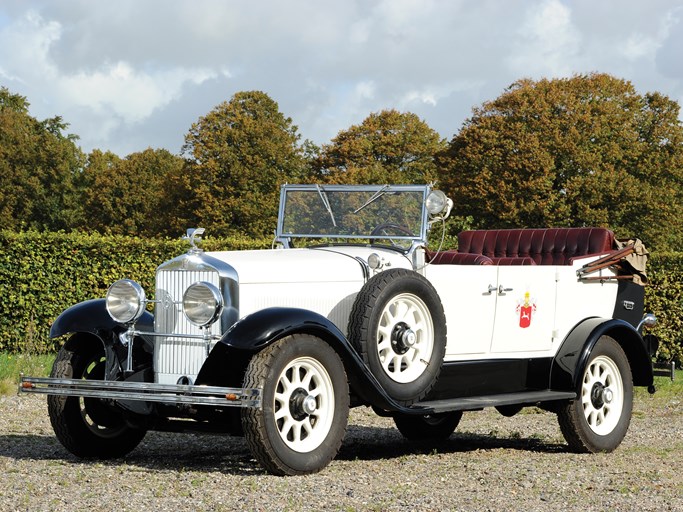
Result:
x=171 y=394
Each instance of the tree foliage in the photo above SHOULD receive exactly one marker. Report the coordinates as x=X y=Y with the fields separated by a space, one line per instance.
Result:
x=587 y=150
x=387 y=147
x=39 y=166
x=124 y=196
x=238 y=156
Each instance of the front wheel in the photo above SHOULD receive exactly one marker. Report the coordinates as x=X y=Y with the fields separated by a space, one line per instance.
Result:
x=305 y=405
x=88 y=427
x=597 y=420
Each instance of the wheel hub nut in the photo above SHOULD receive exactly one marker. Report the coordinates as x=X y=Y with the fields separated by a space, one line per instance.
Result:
x=607 y=395
x=309 y=405
x=408 y=338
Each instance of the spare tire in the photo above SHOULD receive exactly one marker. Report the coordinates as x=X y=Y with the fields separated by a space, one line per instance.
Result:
x=397 y=324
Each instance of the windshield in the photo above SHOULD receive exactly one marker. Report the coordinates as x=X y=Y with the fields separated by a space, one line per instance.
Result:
x=377 y=212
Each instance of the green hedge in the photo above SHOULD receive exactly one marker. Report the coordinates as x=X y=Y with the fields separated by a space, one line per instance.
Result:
x=664 y=298
x=41 y=274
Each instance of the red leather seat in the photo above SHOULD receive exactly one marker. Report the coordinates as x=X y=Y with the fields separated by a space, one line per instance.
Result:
x=457 y=258
x=552 y=246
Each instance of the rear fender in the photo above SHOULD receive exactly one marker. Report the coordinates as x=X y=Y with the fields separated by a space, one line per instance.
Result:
x=572 y=358
x=229 y=358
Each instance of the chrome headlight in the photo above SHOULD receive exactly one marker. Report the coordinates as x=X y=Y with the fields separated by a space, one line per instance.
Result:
x=125 y=301
x=437 y=202
x=202 y=303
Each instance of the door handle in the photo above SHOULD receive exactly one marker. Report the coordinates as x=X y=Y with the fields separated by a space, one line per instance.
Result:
x=500 y=289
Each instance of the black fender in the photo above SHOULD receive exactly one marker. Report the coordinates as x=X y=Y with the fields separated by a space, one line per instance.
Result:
x=228 y=360
x=570 y=362
x=90 y=322
x=91 y=317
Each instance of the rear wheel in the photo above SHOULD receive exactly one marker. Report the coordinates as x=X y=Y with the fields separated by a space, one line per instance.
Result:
x=305 y=405
x=88 y=427
x=429 y=427
x=597 y=420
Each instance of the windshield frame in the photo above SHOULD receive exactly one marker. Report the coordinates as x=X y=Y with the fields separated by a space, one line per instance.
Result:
x=375 y=193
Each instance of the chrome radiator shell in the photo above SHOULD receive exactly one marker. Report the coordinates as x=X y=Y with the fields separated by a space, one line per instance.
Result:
x=179 y=358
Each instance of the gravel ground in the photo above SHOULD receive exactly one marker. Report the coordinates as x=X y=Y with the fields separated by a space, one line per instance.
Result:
x=490 y=463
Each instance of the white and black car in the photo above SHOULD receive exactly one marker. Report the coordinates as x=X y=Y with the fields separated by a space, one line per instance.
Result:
x=350 y=308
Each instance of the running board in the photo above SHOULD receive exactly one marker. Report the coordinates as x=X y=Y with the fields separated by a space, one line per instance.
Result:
x=142 y=391
x=480 y=402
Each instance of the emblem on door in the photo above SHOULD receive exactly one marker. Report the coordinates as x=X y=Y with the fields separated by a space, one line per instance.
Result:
x=526 y=309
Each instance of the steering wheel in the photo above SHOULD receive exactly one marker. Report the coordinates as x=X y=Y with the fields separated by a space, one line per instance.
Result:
x=381 y=228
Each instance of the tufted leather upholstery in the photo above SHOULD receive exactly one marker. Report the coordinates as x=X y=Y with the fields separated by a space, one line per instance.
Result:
x=457 y=258
x=552 y=246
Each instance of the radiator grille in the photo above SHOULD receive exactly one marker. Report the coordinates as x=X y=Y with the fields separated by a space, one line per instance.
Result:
x=178 y=356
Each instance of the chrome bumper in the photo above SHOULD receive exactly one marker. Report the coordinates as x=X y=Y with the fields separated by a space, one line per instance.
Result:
x=143 y=391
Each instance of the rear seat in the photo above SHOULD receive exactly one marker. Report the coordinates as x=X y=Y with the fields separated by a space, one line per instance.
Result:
x=551 y=246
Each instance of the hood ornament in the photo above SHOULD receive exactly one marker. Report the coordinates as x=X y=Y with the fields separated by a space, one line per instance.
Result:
x=194 y=236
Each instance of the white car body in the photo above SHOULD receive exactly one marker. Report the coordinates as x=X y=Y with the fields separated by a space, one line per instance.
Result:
x=352 y=308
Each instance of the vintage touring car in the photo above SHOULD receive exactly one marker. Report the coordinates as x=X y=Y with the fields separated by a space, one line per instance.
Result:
x=351 y=308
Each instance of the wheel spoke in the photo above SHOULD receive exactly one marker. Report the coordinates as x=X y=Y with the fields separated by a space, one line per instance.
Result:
x=401 y=311
x=387 y=318
x=384 y=333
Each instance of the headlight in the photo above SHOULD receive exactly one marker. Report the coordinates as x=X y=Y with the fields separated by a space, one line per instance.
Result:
x=125 y=301
x=375 y=261
x=436 y=202
x=202 y=303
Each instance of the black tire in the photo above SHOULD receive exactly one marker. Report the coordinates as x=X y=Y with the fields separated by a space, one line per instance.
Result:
x=432 y=427
x=305 y=405
x=389 y=305
x=597 y=420
x=88 y=427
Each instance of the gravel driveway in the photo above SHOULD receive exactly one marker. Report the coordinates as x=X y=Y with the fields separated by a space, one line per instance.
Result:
x=490 y=463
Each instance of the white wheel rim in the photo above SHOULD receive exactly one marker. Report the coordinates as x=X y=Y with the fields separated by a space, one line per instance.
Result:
x=410 y=311
x=304 y=377
x=602 y=395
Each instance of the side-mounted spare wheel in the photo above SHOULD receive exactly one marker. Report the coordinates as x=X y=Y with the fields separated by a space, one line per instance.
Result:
x=305 y=405
x=597 y=420
x=398 y=325
x=88 y=427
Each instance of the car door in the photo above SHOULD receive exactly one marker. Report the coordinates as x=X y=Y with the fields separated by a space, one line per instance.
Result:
x=469 y=307
x=525 y=309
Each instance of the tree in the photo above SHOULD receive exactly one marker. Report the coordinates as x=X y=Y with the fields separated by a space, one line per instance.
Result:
x=124 y=196
x=39 y=168
x=238 y=155
x=387 y=147
x=586 y=150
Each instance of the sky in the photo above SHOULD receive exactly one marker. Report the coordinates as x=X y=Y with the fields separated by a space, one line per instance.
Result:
x=131 y=74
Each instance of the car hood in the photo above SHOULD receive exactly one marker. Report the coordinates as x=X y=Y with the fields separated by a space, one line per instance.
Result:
x=310 y=265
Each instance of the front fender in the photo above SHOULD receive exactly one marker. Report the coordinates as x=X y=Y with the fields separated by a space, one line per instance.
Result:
x=91 y=316
x=572 y=358
x=228 y=360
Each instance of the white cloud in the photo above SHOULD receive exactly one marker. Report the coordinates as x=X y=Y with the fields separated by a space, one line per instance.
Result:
x=548 y=41
x=125 y=92
x=128 y=74
x=114 y=93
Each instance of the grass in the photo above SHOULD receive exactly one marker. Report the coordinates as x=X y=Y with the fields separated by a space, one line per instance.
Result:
x=11 y=365
x=666 y=388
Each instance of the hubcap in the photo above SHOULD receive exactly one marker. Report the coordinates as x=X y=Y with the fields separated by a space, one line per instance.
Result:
x=405 y=338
